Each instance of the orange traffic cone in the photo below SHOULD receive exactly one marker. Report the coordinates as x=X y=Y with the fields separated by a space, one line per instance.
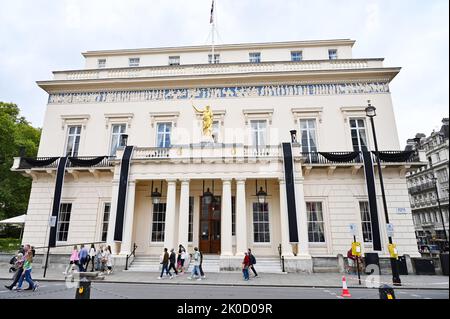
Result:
x=345 y=291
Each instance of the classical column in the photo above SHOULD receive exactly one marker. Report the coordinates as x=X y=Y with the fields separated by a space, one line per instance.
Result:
x=302 y=218
x=169 y=232
x=112 y=217
x=286 y=247
x=225 y=236
x=183 y=221
x=125 y=248
x=241 y=218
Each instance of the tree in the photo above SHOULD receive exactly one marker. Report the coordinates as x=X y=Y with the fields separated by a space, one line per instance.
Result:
x=15 y=133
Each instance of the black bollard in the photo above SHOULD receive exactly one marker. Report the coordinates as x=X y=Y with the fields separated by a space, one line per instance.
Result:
x=84 y=289
x=386 y=292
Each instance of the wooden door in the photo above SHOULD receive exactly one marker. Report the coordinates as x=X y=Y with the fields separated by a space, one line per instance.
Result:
x=210 y=215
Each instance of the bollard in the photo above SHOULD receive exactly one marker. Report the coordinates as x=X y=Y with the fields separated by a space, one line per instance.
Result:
x=84 y=289
x=386 y=292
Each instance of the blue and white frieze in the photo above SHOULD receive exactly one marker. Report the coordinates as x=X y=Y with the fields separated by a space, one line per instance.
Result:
x=219 y=92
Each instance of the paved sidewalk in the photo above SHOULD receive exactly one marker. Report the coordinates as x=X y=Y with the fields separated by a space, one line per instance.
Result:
x=331 y=280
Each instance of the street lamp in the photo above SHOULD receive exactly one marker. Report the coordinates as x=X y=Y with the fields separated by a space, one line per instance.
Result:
x=371 y=113
x=293 y=136
x=156 y=196
x=434 y=179
x=261 y=195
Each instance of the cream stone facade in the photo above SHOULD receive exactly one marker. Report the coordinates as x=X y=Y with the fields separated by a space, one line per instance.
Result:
x=313 y=87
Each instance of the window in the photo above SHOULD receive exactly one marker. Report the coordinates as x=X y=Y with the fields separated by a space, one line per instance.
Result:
x=255 y=57
x=332 y=54
x=258 y=132
x=174 y=60
x=216 y=58
x=62 y=229
x=366 y=222
x=296 y=56
x=261 y=229
x=316 y=233
x=134 y=61
x=158 y=224
x=233 y=215
x=163 y=134
x=308 y=135
x=216 y=131
x=73 y=140
x=117 y=130
x=101 y=63
x=106 y=212
x=191 y=219
x=359 y=137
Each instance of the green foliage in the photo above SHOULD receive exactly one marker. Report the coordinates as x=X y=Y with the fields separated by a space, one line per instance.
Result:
x=9 y=245
x=15 y=133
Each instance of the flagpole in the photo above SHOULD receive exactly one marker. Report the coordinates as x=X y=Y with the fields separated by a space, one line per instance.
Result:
x=213 y=30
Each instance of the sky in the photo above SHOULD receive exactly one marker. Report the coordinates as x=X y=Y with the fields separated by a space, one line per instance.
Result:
x=38 y=37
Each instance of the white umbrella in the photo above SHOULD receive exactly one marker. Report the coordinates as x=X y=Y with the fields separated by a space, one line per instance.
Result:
x=18 y=220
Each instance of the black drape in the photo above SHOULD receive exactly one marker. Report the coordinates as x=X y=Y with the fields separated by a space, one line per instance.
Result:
x=340 y=158
x=371 y=192
x=122 y=196
x=290 y=192
x=57 y=199
x=39 y=163
x=77 y=162
x=398 y=157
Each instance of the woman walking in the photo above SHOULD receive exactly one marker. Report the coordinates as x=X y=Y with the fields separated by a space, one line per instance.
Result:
x=91 y=258
x=27 y=273
x=74 y=260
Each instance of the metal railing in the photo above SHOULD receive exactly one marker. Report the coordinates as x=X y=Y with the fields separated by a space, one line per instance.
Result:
x=317 y=158
x=106 y=162
x=24 y=164
x=421 y=188
x=133 y=253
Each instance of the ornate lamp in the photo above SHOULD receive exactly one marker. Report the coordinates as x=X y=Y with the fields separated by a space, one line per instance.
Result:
x=371 y=111
x=261 y=194
x=293 y=136
x=156 y=196
x=208 y=196
x=124 y=140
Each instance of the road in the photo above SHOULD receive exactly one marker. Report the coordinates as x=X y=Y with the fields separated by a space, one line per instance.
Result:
x=58 y=290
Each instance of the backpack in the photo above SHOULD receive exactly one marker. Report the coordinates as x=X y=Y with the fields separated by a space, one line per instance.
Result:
x=252 y=260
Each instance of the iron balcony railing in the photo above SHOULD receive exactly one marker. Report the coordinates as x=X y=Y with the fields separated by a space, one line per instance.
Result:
x=422 y=187
x=78 y=162
x=347 y=158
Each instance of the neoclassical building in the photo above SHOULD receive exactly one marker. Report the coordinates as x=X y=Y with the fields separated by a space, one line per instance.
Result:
x=287 y=170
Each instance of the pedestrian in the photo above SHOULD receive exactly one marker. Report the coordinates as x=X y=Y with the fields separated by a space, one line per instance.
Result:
x=108 y=260
x=83 y=258
x=200 y=268
x=26 y=275
x=165 y=264
x=91 y=258
x=351 y=260
x=245 y=265
x=98 y=259
x=196 y=269
x=172 y=260
x=74 y=261
x=252 y=260
x=181 y=258
x=19 y=270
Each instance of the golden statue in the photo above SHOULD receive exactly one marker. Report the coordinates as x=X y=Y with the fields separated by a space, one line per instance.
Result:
x=208 y=119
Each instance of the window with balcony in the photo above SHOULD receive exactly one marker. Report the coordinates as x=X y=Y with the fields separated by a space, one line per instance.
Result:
x=101 y=63
x=259 y=132
x=73 y=140
x=255 y=57
x=163 y=131
x=62 y=227
x=117 y=131
x=316 y=225
x=216 y=59
x=359 y=136
x=296 y=56
x=332 y=54
x=308 y=135
x=174 y=60
x=134 y=62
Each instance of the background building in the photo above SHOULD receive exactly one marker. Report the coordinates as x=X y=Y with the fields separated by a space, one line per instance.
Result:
x=422 y=187
x=183 y=190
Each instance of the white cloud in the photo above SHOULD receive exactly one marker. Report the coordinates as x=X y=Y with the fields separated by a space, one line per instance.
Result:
x=37 y=37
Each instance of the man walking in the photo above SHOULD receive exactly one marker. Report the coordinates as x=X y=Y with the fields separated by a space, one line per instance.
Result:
x=252 y=262
x=196 y=269
x=82 y=256
x=200 y=268
x=165 y=264
x=172 y=260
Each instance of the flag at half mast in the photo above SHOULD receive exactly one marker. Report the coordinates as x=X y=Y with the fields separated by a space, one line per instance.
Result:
x=211 y=19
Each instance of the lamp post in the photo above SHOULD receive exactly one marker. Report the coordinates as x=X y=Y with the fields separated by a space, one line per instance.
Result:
x=371 y=113
x=434 y=179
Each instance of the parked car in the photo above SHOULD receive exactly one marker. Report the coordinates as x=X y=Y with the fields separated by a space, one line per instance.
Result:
x=430 y=249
